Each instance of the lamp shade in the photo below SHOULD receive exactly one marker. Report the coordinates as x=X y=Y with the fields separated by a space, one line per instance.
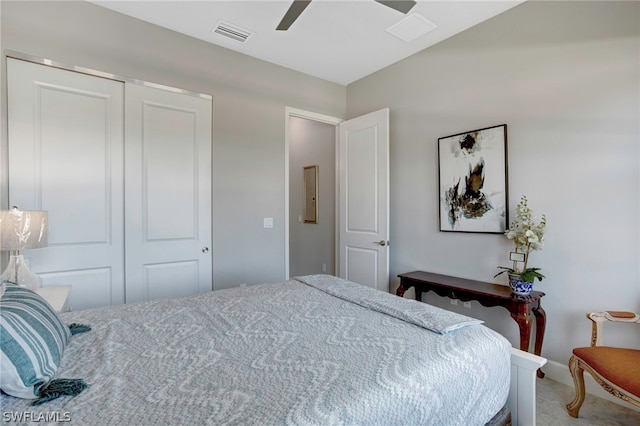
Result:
x=23 y=229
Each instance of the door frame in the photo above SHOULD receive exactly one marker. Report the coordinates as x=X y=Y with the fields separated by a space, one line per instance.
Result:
x=322 y=118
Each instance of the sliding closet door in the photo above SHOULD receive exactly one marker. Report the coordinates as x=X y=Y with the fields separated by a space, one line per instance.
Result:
x=66 y=157
x=168 y=193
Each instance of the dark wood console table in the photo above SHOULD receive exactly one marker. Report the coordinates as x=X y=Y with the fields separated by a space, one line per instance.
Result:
x=520 y=307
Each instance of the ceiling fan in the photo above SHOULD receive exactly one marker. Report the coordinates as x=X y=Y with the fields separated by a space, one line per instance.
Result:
x=298 y=6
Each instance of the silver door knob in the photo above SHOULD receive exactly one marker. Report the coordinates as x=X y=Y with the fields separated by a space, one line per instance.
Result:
x=205 y=250
x=381 y=243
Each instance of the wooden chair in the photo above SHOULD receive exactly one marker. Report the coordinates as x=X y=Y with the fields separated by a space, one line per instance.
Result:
x=617 y=370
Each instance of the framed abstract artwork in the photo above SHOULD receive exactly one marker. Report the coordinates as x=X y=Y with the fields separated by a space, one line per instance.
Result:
x=472 y=168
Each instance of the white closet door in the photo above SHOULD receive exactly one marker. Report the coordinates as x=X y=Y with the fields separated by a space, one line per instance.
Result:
x=66 y=157
x=168 y=196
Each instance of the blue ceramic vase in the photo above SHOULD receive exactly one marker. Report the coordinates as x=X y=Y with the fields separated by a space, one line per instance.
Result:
x=519 y=286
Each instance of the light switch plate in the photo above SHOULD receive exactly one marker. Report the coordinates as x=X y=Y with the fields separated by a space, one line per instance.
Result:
x=268 y=222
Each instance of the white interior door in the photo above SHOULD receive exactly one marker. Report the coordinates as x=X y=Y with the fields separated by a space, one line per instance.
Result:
x=168 y=196
x=364 y=199
x=66 y=157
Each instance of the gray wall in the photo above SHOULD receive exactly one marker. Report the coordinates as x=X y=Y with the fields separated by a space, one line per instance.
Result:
x=565 y=77
x=312 y=244
x=249 y=99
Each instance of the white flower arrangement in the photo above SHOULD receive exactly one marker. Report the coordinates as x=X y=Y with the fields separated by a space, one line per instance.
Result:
x=527 y=236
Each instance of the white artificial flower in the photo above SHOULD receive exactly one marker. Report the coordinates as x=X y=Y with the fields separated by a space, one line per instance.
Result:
x=532 y=238
x=525 y=233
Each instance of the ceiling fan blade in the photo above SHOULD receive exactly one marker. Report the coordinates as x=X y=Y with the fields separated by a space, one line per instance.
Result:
x=292 y=14
x=399 y=5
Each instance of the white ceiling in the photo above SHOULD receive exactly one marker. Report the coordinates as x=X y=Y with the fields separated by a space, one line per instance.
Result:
x=336 y=40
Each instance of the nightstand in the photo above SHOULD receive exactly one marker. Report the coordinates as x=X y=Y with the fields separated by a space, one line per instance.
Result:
x=57 y=296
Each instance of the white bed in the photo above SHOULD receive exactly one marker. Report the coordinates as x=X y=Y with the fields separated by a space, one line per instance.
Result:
x=315 y=350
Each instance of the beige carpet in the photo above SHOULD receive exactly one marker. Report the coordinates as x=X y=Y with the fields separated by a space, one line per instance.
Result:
x=552 y=398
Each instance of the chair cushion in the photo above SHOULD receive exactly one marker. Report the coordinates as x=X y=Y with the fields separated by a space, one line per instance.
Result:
x=617 y=365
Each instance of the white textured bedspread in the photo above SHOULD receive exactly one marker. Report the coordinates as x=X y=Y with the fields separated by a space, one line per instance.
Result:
x=314 y=353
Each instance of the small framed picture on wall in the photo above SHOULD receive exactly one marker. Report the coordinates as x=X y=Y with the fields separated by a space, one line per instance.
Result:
x=472 y=168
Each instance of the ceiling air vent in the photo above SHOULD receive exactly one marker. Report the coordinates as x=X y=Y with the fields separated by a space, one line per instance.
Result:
x=412 y=27
x=231 y=31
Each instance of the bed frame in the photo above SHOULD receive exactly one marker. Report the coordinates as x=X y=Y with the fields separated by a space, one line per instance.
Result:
x=522 y=391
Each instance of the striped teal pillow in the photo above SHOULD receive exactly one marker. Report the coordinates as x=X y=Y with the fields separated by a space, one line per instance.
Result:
x=32 y=339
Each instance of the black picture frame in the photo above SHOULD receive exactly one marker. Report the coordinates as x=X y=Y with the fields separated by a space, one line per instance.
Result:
x=472 y=181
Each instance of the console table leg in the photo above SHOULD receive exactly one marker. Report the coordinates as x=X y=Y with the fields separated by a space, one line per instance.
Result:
x=541 y=322
x=418 y=294
x=524 y=324
x=400 y=291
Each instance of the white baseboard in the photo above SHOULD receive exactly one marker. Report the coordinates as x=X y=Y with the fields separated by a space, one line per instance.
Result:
x=560 y=373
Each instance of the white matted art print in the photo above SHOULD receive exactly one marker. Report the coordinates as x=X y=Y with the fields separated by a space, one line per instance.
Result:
x=473 y=181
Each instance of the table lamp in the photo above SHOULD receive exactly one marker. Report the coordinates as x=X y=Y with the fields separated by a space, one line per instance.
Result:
x=20 y=230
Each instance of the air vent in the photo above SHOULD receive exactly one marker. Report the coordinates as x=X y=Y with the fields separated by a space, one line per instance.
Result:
x=412 y=27
x=231 y=31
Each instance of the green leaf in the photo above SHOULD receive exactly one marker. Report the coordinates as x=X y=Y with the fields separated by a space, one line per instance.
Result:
x=531 y=274
x=504 y=269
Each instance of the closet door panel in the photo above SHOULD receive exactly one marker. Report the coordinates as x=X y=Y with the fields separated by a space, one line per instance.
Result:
x=168 y=196
x=66 y=157
x=73 y=164
x=170 y=180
